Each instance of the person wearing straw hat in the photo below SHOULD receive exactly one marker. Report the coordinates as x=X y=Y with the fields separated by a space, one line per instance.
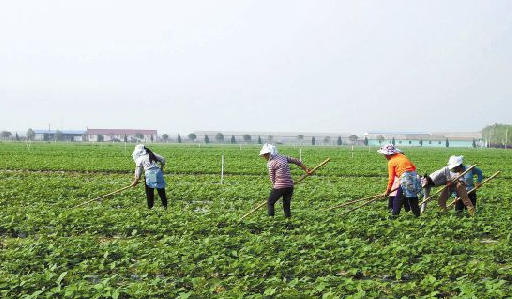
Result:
x=444 y=176
x=148 y=161
x=400 y=166
x=281 y=178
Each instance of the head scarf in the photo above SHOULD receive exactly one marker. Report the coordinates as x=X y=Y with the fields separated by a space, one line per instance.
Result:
x=139 y=151
x=268 y=149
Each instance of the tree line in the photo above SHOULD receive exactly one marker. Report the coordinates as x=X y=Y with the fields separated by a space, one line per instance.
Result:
x=498 y=135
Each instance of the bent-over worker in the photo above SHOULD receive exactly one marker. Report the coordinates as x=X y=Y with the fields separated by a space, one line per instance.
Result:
x=444 y=176
x=146 y=160
x=400 y=166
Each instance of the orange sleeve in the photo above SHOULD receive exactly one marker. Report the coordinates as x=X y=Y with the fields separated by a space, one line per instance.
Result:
x=391 y=174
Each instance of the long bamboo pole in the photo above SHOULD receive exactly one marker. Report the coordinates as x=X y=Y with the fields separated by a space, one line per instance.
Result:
x=446 y=186
x=352 y=201
x=298 y=181
x=375 y=198
x=475 y=188
x=101 y=197
x=313 y=170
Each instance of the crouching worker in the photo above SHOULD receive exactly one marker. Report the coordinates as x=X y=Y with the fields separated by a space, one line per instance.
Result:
x=399 y=166
x=444 y=176
x=281 y=178
x=147 y=160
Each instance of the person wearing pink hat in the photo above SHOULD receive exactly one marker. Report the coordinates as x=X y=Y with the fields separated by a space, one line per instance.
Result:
x=399 y=166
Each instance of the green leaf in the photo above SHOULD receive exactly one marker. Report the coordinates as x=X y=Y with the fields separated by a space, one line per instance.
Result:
x=61 y=276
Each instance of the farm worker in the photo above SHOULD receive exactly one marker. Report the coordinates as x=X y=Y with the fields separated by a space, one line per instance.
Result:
x=146 y=160
x=470 y=184
x=399 y=166
x=444 y=176
x=280 y=176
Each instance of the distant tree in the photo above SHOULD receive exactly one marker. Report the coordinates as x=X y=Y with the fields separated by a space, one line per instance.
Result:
x=270 y=138
x=5 y=134
x=59 y=136
x=327 y=139
x=421 y=142
x=353 y=138
x=247 y=138
x=46 y=137
x=151 y=138
x=380 y=138
x=313 y=141
x=365 y=141
x=339 y=142
x=192 y=137
x=206 y=139
x=139 y=136
x=393 y=140
x=233 y=140
x=219 y=137
x=30 y=134
x=100 y=138
x=179 y=138
x=497 y=134
x=259 y=140
x=474 y=143
x=447 y=143
x=17 y=138
x=300 y=138
x=165 y=137
x=125 y=138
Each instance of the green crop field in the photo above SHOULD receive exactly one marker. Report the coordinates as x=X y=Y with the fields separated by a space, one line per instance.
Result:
x=117 y=248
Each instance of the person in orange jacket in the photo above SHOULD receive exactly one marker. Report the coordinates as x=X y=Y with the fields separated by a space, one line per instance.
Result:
x=400 y=166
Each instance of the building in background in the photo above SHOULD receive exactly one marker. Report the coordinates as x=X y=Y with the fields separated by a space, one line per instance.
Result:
x=58 y=135
x=128 y=135
x=438 y=139
x=296 y=138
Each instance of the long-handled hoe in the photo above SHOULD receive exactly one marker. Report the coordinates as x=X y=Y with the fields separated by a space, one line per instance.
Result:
x=298 y=181
x=101 y=197
x=353 y=201
x=369 y=200
x=475 y=188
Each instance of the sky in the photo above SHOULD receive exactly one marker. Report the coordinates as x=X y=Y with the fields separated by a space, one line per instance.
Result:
x=280 y=66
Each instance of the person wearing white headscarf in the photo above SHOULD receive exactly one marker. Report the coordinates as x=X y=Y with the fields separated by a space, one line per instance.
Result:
x=147 y=161
x=444 y=176
x=281 y=178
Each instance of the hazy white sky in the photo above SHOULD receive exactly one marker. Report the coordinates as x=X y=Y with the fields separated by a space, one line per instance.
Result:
x=309 y=66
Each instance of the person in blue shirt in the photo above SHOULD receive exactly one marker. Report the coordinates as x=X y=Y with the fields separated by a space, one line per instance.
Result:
x=469 y=178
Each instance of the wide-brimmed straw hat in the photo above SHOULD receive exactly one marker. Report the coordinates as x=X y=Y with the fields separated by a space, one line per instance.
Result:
x=389 y=149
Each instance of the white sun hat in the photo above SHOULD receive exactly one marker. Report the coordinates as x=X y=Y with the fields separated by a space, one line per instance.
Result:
x=268 y=149
x=455 y=161
x=139 y=151
x=389 y=149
